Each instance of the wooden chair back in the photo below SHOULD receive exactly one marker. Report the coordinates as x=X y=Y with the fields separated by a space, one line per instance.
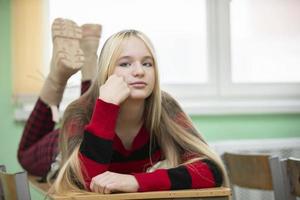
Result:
x=255 y=171
x=291 y=174
x=14 y=186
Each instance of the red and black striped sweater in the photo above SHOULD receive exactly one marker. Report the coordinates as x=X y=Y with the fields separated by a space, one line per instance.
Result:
x=102 y=150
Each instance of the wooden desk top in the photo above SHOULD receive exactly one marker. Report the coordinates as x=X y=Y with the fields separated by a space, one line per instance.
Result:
x=209 y=193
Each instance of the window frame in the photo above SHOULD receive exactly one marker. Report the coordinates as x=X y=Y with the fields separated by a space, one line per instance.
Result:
x=219 y=96
x=244 y=89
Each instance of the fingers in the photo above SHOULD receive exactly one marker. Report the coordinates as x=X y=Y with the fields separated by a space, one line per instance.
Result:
x=115 y=90
x=100 y=183
x=106 y=190
x=109 y=182
x=97 y=187
x=116 y=77
x=100 y=188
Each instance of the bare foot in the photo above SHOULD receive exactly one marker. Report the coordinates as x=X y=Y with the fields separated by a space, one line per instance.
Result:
x=67 y=57
x=89 y=43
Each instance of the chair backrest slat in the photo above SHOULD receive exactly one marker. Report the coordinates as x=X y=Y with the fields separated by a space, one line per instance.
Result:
x=2 y=169
x=249 y=171
x=256 y=171
x=14 y=186
x=277 y=178
x=291 y=174
x=293 y=169
x=8 y=185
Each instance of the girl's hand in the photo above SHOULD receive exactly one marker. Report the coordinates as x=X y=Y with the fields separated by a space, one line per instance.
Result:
x=109 y=182
x=115 y=90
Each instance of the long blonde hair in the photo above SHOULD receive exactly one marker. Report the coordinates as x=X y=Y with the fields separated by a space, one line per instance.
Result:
x=160 y=112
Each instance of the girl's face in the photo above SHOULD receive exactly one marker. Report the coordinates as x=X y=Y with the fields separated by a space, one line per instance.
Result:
x=136 y=65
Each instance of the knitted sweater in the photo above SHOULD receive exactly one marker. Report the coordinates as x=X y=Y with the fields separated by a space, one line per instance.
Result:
x=102 y=150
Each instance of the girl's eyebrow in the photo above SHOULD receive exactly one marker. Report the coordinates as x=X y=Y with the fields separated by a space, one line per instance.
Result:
x=128 y=57
x=147 y=57
x=124 y=57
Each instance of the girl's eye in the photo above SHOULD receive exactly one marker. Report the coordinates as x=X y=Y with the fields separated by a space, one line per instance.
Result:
x=148 y=64
x=124 y=64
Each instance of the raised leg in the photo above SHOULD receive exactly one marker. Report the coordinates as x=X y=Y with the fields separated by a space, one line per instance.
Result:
x=39 y=143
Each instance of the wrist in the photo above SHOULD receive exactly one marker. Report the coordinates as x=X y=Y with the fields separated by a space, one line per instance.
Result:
x=109 y=100
x=135 y=184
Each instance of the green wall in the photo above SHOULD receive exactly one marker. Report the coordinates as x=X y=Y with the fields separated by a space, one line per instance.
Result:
x=214 y=128
x=10 y=132
x=8 y=129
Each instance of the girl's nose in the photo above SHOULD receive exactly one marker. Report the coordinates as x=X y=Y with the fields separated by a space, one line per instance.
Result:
x=138 y=69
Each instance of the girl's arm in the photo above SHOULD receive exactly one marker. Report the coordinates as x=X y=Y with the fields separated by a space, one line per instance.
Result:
x=96 y=148
x=200 y=174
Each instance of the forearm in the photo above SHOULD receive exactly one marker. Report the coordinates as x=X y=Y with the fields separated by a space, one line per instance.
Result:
x=200 y=174
x=96 y=148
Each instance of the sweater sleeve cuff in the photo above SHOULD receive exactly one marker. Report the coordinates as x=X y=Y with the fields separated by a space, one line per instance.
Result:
x=154 y=181
x=104 y=119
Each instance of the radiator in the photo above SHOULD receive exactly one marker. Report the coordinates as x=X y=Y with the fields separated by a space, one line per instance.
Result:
x=281 y=147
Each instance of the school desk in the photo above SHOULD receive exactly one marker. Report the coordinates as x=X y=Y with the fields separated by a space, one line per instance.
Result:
x=218 y=193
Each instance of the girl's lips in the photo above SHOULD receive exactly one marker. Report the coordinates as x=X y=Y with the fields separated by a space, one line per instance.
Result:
x=138 y=83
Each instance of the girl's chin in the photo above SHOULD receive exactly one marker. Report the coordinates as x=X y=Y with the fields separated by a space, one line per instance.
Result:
x=138 y=96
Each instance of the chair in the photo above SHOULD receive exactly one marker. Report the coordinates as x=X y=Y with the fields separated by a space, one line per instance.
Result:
x=218 y=193
x=291 y=174
x=13 y=186
x=255 y=171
